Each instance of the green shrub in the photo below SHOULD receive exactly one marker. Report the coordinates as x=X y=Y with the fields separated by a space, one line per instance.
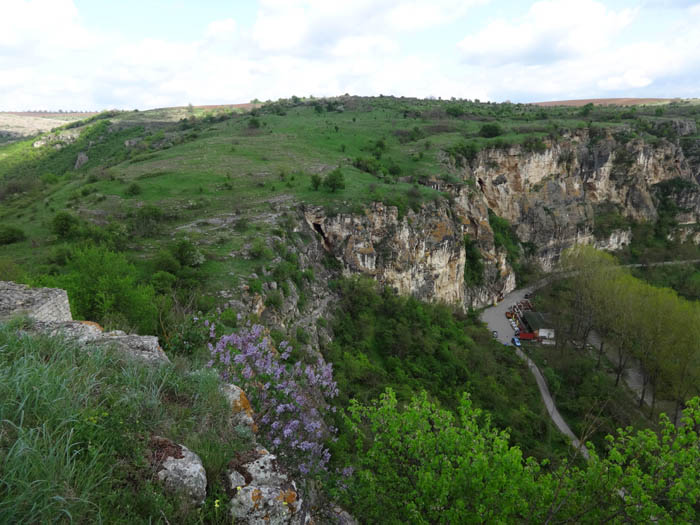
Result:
x=65 y=225
x=474 y=266
x=334 y=180
x=165 y=261
x=259 y=250
x=10 y=234
x=163 y=282
x=505 y=237
x=147 y=220
x=273 y=299
x=133 y=189
x=255 y=286
x=534 y=145
x=491 y=130
x=103 y=286
x=187 y=254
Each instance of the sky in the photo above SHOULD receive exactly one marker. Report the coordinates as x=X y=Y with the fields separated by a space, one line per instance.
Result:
x=128 y=54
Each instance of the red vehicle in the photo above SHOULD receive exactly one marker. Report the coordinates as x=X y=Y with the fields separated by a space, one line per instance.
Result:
x=527 y=336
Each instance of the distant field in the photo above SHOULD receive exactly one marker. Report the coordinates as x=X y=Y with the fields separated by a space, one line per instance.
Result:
x=52 y=115
x=607 y=102
x=17 y=124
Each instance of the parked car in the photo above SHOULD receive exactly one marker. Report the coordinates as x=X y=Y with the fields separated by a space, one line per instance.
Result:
x=516 y=342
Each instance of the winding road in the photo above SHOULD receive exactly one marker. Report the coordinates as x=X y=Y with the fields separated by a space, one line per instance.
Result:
x=495 y=318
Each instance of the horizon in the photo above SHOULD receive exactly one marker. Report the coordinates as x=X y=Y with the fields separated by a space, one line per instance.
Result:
x=92 y=55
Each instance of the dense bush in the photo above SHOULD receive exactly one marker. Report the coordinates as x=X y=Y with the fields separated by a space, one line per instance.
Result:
x=65 y=225
x=133 y=189
x=491 y=130
x=421 y=464
x=103 y=286
x=334 y=180
x=10 y=234
x=464 y=151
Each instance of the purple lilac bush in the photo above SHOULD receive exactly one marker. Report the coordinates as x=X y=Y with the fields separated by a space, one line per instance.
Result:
x=290 y=399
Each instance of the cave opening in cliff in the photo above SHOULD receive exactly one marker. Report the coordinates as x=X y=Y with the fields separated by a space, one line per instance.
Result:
x=325 y=242
x=481 y=184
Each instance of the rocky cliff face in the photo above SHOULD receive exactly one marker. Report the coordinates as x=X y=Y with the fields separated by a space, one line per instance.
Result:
x=551 y=197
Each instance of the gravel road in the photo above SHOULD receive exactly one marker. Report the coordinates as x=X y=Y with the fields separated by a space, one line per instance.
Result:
x=495 y=318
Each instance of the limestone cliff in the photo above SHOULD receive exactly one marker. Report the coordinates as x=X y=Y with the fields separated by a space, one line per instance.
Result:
x=550 y=193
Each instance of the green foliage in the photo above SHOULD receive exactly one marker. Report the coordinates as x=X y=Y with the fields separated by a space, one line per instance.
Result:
x=147 y=221
x=464 y=151
x=534 y=145
x=385 y=340
x=187 y=254
x=334 y=180
x=165 y=261
x=315 y=181
x=422 y=464
x=505 y=237
x=274 y=300
x=10 y=234
x=133 y=189
x=491 y=130
x=65 y=225
x=259 y=250
x=474 y=266
x=163 y=282
x=103 y=286
x=606 y=219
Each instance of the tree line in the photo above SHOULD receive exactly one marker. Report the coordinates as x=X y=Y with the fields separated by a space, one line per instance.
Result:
x=639 y=321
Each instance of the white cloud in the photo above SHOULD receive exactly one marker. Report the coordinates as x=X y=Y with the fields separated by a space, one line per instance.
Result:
x=49 y=57
x=551 y=30
x=221 y=29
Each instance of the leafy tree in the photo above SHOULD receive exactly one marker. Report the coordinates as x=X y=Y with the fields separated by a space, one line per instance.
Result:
x=103 y=286
x=490 y=130
x=315 y=181
x=586 y=110
x=133 y=189
x=421 y=464
x=65 y=225
x=334 y=180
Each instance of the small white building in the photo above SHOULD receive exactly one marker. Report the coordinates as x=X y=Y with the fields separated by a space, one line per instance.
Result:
x=546 y=334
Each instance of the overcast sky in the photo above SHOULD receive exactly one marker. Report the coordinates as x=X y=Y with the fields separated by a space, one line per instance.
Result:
x=99 y=54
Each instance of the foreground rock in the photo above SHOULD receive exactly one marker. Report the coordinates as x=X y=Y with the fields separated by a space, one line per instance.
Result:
x=262 y=492
x=242 y=412
x=180 y=469
x=50 y=311
x=39 y=304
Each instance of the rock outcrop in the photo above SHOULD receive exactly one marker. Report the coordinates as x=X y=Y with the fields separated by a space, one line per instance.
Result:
x=550 y=193
x=241 y=411
x=39 y=304
x=262 y=492
x=180 y=469
x=50 y=311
